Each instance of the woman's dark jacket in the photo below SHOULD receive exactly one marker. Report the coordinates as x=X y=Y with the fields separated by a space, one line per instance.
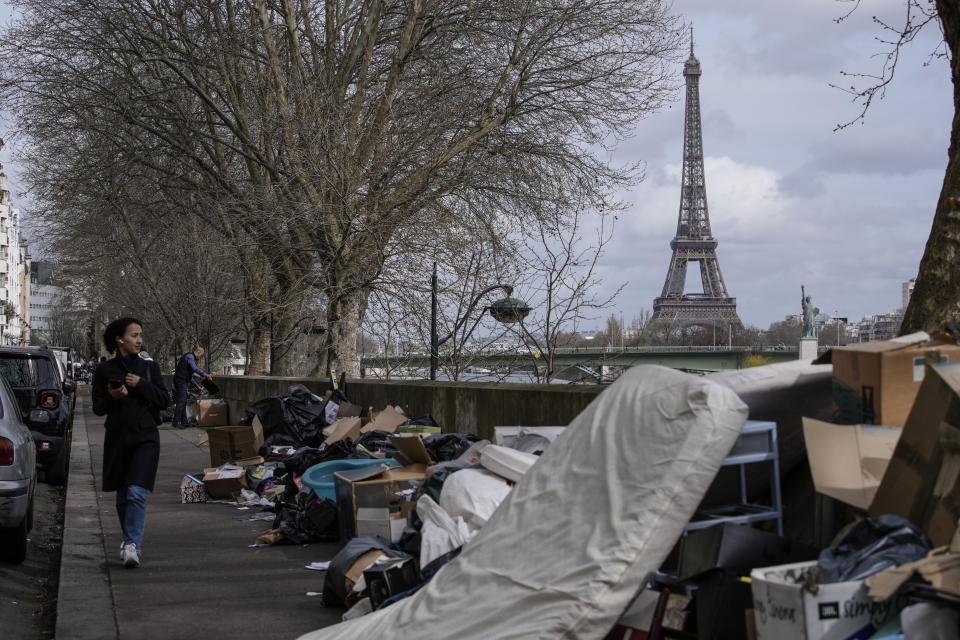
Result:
x=131 y=446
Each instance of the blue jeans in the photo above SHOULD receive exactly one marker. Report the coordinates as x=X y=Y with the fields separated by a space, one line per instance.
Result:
x=132 y=509
x=180 y=397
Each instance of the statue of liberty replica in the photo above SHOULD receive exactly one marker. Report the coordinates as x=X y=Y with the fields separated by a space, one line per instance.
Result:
x=808 y=338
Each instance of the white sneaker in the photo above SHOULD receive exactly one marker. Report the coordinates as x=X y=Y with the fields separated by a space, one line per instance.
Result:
x=121 y=551
x=130 y=556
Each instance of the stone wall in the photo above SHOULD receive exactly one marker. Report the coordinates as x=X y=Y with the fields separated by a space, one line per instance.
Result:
x=464 y=407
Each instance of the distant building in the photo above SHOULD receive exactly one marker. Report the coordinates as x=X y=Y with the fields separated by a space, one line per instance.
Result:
x=884 y=326
x=46 y=298
x=235 y=360
x=906 y=292
x=14 y=267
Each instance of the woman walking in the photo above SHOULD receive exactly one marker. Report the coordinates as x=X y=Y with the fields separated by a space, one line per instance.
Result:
x=130 y=392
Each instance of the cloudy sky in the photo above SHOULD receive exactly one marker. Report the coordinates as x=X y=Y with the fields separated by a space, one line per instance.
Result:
x=791 y=201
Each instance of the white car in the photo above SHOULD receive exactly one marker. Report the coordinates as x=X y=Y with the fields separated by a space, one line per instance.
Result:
x=18 y=477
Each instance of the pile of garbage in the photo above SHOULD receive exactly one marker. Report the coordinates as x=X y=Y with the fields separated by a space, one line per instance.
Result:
x=596 y=530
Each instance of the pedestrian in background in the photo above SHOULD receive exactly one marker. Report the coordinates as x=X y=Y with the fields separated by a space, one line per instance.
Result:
x=130 y=392
x=182 y=376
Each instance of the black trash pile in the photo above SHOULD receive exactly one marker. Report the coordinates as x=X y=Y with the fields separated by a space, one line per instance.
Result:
x=301 y=431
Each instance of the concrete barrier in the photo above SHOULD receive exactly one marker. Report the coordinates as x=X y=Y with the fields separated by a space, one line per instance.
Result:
x=463 y=407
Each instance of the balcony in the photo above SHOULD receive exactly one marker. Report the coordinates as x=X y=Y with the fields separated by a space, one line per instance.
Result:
x=4 y=267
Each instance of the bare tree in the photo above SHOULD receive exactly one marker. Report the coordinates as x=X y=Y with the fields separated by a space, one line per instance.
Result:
x=562 y=283
x=935 y=303
x=311 y=134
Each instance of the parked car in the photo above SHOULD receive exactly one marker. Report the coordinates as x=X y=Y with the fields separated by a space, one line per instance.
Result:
x=46 y=404
x=18 y=477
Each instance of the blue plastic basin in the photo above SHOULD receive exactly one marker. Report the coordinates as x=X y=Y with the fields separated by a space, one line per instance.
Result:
x=319 y=477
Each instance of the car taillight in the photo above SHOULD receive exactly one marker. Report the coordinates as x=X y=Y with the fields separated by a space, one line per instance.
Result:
x=49 y=399
x=6 y=452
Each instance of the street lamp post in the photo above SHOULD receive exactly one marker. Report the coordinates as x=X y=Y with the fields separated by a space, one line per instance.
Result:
x=507 y=310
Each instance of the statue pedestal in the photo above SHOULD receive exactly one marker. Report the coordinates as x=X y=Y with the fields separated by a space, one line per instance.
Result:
x=808 y=348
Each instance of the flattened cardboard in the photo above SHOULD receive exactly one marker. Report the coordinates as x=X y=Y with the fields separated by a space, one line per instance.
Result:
x=922 y=483
x=942 y=572
x=387 y=420
x=359 y=565
x=848 y=461
x=343 y=428
x=410 y=449
x=348 y=410
x=228 y=444
x=877 y=382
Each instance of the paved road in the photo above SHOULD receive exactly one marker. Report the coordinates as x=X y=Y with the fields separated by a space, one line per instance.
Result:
x=28 y=591
x=199 y=578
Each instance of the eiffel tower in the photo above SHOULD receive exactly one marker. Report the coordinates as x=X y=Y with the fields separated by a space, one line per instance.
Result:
x=694 y=242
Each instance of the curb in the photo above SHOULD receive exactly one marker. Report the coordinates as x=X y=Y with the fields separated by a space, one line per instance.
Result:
x=85 y=607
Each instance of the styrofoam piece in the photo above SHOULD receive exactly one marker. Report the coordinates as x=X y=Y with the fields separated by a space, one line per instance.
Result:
x=509 y=463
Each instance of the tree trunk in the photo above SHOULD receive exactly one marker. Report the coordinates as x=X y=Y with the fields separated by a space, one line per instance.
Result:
x=935 y=304
x=284 y=335
x=343 y=325
x=258 y=351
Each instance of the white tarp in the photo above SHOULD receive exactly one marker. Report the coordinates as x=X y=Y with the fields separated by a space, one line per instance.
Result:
x=582 y=531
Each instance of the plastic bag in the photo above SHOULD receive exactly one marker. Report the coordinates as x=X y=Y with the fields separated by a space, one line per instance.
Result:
x=448 y=446
x=440 y=533
x=335 y=581
x=870 y=546
x=308 y=519
x=473 y=494
x=295 y=419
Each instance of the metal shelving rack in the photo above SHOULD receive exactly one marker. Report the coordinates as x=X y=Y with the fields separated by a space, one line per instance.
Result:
x=757 y=443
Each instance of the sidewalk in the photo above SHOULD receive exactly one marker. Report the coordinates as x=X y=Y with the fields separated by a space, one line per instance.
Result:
x=199 y=579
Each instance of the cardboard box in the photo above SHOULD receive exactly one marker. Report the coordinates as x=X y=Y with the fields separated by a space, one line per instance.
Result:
x=212 y=412
x=342 y=428
x=848 y=461
x=223 y=483
x=228 y=444
x=785 y=610
x=922 y=482
x=877 y=382
x=379 y=521
x=387 y=420
x=371 y=487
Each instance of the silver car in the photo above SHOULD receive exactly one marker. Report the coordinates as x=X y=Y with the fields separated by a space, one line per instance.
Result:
x=18 y=477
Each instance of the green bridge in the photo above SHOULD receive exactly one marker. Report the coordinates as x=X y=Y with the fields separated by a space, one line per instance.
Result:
x=596 y=359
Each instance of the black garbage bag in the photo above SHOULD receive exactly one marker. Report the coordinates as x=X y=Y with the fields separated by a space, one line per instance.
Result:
x=422 y=421
x=448 y=446
x=295 y=419
x=302 y=459
x=308 y=519
x=870 y=546
x=376 y=440
x=335 y=582
x=211 y=388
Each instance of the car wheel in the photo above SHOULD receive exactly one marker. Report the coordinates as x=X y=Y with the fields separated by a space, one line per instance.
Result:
x=57 y=470
x=13 y=543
